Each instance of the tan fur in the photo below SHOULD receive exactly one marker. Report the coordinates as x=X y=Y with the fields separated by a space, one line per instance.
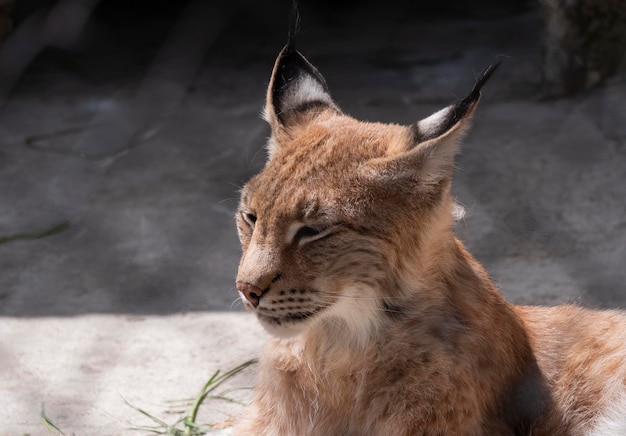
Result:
x=385 y=324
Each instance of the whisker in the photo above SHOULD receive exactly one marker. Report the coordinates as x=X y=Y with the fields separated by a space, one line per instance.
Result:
x=236 y=301
x=372 y=307
x=379 y=309
x=234 y=304
x=358 y=297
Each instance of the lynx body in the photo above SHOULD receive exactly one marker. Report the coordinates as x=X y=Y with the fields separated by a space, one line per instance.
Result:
x=382 y=323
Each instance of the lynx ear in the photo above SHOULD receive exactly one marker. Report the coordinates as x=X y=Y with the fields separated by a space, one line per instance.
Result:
x=453 y=116
x=433 y=142
x=296 y=88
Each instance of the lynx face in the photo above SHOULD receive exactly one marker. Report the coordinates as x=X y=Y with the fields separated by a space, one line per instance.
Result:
x=340 y=203
x=312 y=244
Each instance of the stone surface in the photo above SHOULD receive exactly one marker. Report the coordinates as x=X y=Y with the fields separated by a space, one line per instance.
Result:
x=89 y=374
x=121 y=157
x=584 y=43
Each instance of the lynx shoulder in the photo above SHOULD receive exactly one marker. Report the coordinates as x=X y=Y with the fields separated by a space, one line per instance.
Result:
x=382 y=323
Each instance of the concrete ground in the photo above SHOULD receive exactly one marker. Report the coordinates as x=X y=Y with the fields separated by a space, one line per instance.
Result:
x=121 y=152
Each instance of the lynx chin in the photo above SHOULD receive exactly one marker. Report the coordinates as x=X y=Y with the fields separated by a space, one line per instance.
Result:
x=381 y=322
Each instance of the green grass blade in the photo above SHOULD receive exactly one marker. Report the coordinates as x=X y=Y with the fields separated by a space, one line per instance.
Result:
x=147 y=430
x=50 y=426
x=191 y=428
x=53 y=230
x=143 y=412
x=214 y=381
x=217 y=381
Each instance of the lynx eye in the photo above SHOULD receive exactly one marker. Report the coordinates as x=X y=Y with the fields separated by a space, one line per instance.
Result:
x=312 y=233
x=249 y=218
x=307 y=232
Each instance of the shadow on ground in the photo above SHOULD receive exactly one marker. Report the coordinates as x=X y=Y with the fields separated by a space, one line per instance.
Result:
x=122 y=150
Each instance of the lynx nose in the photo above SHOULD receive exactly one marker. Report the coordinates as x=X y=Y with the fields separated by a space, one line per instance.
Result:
x=251 y=292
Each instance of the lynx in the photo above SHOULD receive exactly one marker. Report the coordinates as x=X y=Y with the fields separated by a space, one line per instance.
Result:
x=381 y=322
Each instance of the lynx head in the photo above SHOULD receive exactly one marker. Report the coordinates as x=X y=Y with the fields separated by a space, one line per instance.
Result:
x=345 y=223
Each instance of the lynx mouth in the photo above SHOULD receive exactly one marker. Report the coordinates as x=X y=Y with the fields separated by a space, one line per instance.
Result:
x=290 y=318
x=289 y=324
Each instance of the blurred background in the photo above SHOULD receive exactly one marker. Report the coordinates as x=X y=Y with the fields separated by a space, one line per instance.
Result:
x=127 y=128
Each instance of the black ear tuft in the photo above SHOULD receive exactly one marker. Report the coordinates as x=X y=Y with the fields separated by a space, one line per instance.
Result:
x=296 y=87
x=443 y=121
x=482 y=79
x=294 y=25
